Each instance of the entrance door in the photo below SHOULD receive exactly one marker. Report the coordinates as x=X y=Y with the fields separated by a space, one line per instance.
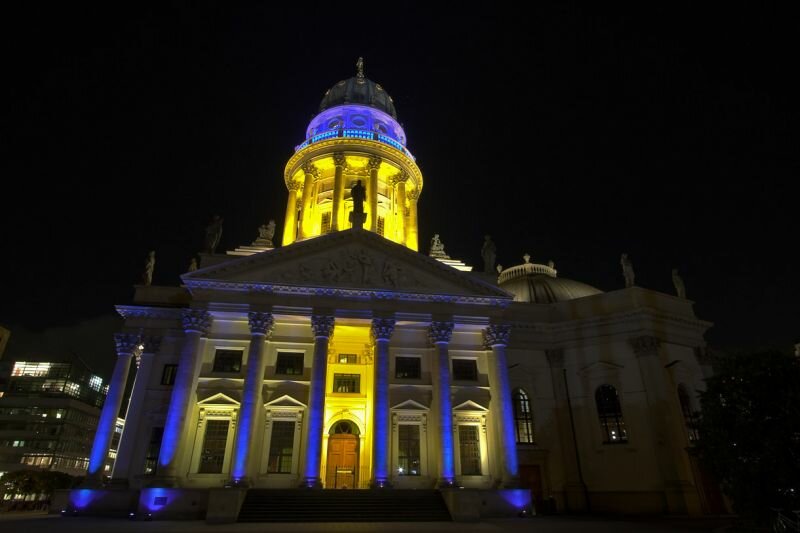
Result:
x=342 y=461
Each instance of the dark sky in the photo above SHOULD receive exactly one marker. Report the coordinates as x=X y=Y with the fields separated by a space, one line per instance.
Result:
x=570 y=134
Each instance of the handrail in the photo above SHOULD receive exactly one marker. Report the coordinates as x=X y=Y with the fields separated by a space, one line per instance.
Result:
x=354 y=134
x=526 y=269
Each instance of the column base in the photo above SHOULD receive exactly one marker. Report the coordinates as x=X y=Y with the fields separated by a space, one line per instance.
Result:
x=240 y=483
x=312 y=483
x=444 y=483
x=380 y=484
x=163 y=481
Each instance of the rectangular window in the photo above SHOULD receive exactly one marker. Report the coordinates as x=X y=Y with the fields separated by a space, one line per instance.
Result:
x=346 y=383
x=381 y=225
x=465 y=369
x=289 y=364
x=153 y=448
x=326 y=223
x=348 y=358
x=407 y=367
x=228 y=361
x=168 y=375
x=470 y=450
x=214 y=443
x=281 y=445
x=408 y=462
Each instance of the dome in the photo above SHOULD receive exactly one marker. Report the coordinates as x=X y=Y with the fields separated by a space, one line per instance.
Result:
x=358 y=90
x=535 y=283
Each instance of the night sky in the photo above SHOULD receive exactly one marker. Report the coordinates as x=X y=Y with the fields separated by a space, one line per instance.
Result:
x=570 y=134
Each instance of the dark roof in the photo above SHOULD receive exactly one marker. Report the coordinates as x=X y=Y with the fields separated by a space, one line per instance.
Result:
x=358 y=90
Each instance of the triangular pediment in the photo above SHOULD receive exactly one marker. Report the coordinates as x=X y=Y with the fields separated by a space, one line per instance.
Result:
x=219 y=399
x=285 y=401
x=350 y=260
x=600 y=366
x=469 y=405
x=410 y=405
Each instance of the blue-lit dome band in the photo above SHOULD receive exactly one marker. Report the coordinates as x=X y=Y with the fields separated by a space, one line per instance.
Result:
x=355 y=134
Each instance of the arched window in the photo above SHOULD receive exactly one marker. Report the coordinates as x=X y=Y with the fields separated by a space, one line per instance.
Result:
x=610 y=413
x=688 y=412
x=523 y=419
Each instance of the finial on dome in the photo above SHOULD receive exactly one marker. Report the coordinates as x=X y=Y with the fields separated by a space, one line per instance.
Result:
x=527 y=258
x=360 y=67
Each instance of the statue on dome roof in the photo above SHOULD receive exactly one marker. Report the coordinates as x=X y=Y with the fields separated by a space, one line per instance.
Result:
x=213 y=234
x=489 y=254
x=627 y=270
x=680 y=287
x=437 y=248
x=149 y=267
x=360 y=68
x=265 y=234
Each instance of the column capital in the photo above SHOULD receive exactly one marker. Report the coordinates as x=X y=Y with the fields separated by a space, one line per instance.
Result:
x=382 y=328
x=400 y=177
x=127 y=343
x=645 y=345
x=374 y=163
x=413 y=195
x=496 y=334
x=294 y=185
x=339 y=159
x=261 y=323
x=151 y=343
x=309 y=168
x=555 y=357
x=196 y=320
x=322 y=325
x=440 y=331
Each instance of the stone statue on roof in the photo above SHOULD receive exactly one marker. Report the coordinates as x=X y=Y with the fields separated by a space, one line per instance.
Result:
x=149 y=267
x=265 y=234
x=627 y=270
x=489 y=254
x=213 y=234
x=360 y=67
x=680 y=287
x=437 y=248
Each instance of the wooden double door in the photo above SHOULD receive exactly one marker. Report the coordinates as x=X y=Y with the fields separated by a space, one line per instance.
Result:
x=342 y=463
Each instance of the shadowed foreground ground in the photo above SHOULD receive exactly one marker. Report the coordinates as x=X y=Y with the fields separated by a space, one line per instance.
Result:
x=34 y=523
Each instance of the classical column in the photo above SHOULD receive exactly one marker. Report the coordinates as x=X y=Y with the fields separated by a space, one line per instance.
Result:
x=290 y=225
x=261 y=325
x=412 y=236
x=439 y=334
x=311 y=175
x=127 y=344
x=323 y=327
x=496 y=339
x=382 y=329
x=400 y=217
x=373 y=165
x=144 y=364
x=339 y=160
x=196 y=323
x=666 y=424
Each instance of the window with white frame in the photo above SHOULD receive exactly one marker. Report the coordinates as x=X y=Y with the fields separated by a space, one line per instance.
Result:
x=408 y=450
x=281 y=448
x=469 y=450
x=215 y=443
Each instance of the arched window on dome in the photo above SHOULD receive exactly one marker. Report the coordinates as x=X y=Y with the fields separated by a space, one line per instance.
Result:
x=610 y=413
x=688 y=413
x=523 y=417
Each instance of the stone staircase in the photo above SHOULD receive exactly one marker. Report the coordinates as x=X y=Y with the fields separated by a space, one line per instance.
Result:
x=309 y=505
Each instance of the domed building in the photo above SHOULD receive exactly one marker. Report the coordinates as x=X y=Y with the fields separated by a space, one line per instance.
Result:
x=346 y=359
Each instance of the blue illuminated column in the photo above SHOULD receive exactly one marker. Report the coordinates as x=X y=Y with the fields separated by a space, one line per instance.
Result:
x=127 y=344
x=196 y=323
x=261 y=325
x=144 y=367
x=382 y=329
x=496 y=340
x=323 y=327
x=439 y=334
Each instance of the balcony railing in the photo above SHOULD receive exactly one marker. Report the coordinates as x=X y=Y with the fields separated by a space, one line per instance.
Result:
x=355 y=134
